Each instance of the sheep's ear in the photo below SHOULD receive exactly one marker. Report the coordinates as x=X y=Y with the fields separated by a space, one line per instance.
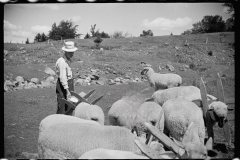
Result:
x=209 y=144
x=178 y=143
x=210 y=107
x=149 y=99
x=187 y=133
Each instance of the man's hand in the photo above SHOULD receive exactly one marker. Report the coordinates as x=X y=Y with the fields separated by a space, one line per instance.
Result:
x=68 y=94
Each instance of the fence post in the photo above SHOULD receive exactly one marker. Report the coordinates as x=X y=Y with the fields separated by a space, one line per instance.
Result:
x=207 y=40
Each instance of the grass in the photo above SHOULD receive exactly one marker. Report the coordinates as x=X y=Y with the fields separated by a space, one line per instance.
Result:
x=24 y=109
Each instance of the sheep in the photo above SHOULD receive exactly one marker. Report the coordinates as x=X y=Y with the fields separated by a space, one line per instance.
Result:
x=188 y=92
x=179 y=115
x=124 y=112
x=90 y=112
x=101 y=153
x=60 y=118
x=221 y=111
x=161 y=81
x=70 y=141
x=150 y=111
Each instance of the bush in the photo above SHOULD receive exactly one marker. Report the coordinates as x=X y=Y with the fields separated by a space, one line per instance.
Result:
x=192 y=66
x=210 y=53
x=97 y=41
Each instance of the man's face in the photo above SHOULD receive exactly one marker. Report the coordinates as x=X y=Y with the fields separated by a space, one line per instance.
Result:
x=69 y=54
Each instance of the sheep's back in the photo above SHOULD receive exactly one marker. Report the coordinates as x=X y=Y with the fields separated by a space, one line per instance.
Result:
x=75 y=139
x=60 y=118
x=89 y=112
x=179 y=113
x=150 y=111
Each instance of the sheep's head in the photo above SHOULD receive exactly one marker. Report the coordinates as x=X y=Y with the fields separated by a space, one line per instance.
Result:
x=146 y=70
x=192 y=145
x=220 y=111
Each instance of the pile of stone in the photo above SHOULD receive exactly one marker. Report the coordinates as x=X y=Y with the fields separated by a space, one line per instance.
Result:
x=50 y=81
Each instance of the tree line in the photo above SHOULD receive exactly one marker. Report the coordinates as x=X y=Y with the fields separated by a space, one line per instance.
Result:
x=211 y=24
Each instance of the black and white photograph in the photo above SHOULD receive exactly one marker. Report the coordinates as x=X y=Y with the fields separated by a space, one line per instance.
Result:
x=118 y=80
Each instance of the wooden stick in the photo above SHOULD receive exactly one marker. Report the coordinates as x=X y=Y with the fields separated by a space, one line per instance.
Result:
x=165 y=140
x=156 y=125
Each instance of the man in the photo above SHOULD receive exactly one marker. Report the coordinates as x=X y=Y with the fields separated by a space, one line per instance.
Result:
x=65 y=76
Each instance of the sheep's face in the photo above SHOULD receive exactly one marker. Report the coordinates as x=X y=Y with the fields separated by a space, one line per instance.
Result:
x=144 y=71
x=220 y=110
x=196 y=150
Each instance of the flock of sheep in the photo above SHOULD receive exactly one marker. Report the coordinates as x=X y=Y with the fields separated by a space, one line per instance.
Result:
x=83 y=134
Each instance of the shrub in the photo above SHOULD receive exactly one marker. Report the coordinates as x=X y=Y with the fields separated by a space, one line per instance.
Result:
x=192 y=66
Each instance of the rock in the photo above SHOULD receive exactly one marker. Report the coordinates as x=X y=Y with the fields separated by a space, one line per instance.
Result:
x=117 y=80
x=5 y=52
x=11 y=136
x=30 y=155
x=20 y=79
x=79 y=82
x=137 y=79
x=111 y=82
x=100 y=82
x=35 y=80
x=186 y=66
x=49 y=71
x=170 y=67
x=46 y=84
x=87 y=80
x=127 y=77
x=50 y=79
x=32 y=85
x=82 y=94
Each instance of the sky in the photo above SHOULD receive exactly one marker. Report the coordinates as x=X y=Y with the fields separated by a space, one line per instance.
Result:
x=22 y=21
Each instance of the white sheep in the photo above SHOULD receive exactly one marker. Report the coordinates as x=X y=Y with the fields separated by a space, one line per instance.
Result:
x=221 y=111
x=190 y=93
x=124 y=112
x=60 y=118
x=70 y=141
x=102 y=153
x=161 y=81
x=150 y=111
x=90 y=112
x=179 y=115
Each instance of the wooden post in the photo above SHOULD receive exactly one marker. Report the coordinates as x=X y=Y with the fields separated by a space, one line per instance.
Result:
x=207 y=40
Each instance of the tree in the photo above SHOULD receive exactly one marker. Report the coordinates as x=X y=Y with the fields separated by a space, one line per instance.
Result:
x=92 y=30
x=229 y=25
x=231 y=21
x=27 y=41
x=43 y=37
x=65 y=30
x=104 y=35
x=213 y=24
x=231 y=8
x=146 y=33
x=87 y=36
x=38 y=37
x=97 y=41
x=189 y=31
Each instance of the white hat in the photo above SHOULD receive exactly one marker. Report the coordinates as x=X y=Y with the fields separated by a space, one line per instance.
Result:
x=69 y=47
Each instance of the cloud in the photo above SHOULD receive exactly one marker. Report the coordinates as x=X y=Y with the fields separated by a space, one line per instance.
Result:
x=41 y=29
x=21 y=34
x=54 y=7
x=75 y=18
x=10 y=26
x=166 y=24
